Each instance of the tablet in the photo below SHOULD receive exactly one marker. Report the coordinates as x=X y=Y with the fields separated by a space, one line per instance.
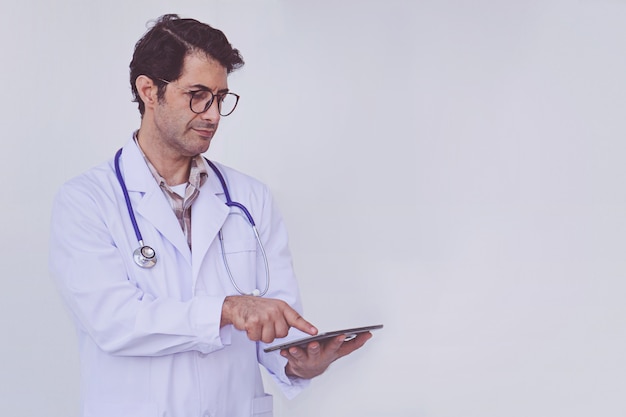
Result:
x=350 y=334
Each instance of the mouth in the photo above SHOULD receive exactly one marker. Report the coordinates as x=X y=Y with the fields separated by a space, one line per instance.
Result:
x=205 y=133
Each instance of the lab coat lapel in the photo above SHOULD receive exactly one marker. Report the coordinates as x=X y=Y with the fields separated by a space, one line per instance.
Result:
x=153 y=207
x=208 y=214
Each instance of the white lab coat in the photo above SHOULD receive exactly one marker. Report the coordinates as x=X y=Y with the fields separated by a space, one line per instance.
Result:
x=150 y=340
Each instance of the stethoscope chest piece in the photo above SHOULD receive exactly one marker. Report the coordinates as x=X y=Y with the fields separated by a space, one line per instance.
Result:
x=145 y=256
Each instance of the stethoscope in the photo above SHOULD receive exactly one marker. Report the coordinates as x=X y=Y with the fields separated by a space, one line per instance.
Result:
x=145 y=256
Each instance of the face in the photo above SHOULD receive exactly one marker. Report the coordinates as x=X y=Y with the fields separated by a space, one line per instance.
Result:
x=175 y=127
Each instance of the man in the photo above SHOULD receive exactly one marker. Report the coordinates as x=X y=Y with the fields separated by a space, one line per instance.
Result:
x=177 y=329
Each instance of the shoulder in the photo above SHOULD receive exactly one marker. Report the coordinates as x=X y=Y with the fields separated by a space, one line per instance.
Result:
x=244 y=188
x=90 y=185
x=237 y=179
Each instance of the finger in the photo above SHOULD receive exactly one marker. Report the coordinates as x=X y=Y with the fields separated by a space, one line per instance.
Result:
x=289 y=352
x=281 y=328
x=354 y=344
x=254 y=333
x=363 y=337
x=268 y=334
x=336 y=342
x=296 y=353
x=313 y=350
x=296 y=320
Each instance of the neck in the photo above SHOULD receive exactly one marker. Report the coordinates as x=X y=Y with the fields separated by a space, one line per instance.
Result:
x=172 y=166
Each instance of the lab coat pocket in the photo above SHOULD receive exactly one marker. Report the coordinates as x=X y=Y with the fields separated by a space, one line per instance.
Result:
x=240 y=259
x=263 y=406
x=242 y=245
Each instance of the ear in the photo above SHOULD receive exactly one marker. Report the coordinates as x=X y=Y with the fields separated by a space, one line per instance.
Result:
x=147 y=90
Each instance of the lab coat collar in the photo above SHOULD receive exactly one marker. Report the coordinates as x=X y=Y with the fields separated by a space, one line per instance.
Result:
x=139 y=178
x=136 y=173
x=151 y=203
x=208 y=213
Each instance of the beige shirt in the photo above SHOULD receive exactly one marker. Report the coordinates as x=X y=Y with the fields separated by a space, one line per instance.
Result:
x=182 y=205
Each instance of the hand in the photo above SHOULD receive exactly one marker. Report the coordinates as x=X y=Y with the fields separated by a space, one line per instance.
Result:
x=313 y=360
x=263 y=319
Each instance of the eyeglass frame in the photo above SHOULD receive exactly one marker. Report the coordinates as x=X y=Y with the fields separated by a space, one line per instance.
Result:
x=207 y=106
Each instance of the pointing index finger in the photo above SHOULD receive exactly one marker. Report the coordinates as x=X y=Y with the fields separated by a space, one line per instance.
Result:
x=296 y=320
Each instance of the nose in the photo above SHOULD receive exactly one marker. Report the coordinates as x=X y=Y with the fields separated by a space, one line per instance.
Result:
x=212 y=114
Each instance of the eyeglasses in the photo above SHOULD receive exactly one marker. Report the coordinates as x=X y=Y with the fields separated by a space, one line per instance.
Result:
x=201 y=100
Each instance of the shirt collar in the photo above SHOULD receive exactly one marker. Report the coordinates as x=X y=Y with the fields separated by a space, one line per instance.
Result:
x=197 y=170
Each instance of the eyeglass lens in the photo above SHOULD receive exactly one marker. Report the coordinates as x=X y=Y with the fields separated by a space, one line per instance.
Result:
x=202 y=100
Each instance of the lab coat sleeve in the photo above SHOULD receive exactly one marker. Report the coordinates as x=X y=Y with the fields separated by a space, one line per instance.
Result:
x=89 y=271
x=275 y=364
x=284 y=286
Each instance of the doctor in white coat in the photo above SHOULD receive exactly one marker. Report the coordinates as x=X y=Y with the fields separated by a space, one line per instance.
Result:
x=177 y=339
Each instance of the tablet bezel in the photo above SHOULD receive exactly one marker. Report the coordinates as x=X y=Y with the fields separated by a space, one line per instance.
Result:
x=350 y=334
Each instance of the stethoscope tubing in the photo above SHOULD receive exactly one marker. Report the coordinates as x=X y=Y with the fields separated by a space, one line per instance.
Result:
x=148 y=262
x=229 y=201
x=129 y=206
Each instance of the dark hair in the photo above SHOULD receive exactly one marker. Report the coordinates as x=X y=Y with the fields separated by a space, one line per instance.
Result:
x=160 y=53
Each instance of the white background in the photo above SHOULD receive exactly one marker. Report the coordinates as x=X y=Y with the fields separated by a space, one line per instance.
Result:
x=452 y=169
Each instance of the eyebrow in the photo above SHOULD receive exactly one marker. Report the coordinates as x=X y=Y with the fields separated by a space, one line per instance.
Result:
x=196 y=87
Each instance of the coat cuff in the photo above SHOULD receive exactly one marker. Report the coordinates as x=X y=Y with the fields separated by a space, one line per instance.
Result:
x=206 y=316
x=275 y=364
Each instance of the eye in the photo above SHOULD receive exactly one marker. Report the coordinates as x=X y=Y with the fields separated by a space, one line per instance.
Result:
x=200 y=95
